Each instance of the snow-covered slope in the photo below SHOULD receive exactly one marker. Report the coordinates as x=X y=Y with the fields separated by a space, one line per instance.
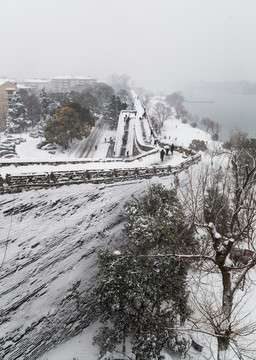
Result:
x=48 y=250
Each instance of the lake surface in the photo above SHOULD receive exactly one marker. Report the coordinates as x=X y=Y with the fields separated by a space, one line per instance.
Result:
x=233 y=111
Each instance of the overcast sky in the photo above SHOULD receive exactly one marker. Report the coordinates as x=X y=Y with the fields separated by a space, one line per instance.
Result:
x=158 y=43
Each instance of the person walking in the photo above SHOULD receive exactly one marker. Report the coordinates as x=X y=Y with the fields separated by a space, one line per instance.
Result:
x=167 y=148
x=162 y=152
x=172 y=148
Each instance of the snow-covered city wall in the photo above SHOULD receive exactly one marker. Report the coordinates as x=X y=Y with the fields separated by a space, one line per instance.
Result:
x=49 y=262
x=16 y=183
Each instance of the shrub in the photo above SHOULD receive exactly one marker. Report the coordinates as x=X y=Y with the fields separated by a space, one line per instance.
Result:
x=198 y=145
x=193 y=124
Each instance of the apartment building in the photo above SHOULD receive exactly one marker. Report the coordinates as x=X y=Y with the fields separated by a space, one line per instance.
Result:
x=67 y=83
x=7 y=89
x=37 y=85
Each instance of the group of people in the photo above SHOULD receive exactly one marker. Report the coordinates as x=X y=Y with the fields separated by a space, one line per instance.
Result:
x=165 y=151
x=127 y=118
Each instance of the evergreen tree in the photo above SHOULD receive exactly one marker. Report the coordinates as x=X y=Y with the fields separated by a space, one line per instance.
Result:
x=198 y=145
x=157 y=220
x=86 y=99
x=124 y=95
x=85 y=114
x=32 y=105
x=66 y=125
x=103 y=92
x=142 y=295
x=48 y=105
x=62 y=98
x=94 y=96
x=113 y=110
x=17 y=116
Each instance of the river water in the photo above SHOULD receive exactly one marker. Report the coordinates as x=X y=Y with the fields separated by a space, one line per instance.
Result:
x=234 y=111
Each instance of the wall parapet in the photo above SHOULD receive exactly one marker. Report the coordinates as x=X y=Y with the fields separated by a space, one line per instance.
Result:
x=17 y=183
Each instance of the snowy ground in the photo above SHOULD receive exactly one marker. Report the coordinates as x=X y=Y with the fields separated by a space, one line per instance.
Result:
x=173 y=132
x=80 y=347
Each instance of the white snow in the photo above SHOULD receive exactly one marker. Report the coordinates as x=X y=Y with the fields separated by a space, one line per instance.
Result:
x=80 y=347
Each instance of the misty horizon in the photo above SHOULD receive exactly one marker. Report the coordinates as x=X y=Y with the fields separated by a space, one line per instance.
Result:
x=159 y=44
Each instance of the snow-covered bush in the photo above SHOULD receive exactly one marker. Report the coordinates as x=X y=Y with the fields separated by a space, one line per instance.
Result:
x=198 y=145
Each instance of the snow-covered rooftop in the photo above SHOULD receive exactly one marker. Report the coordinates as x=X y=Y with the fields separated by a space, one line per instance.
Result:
x=3 y=81
x=37 y=80
x=69 y=77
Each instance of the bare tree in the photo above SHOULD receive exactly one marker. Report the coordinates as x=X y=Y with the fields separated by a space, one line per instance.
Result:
x=237 y=141
x=216 y=128
x=120 y=81
x=162 y=113
x=208 y=124
x=223 y=212
x=175 y=98
x=181 y=111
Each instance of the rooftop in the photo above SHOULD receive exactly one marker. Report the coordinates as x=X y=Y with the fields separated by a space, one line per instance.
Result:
x=5 y=80
x=69 y=77
x=37 y=80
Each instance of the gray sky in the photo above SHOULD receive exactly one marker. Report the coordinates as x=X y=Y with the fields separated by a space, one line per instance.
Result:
x=158 y=43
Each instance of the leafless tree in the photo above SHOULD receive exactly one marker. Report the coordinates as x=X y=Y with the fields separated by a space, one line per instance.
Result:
x=237 y=141
x=162 y=113
x=223 y=212
x=120 y=81
x=175 y=98
x=181 y=111
x=208 y=124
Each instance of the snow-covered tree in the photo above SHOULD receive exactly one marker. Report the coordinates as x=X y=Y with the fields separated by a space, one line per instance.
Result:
x=222 y=213
x=32 y=105
x=198 y=145
x=17 y=116
x=222 y=209
x=140 y=295
x=162 y=113
x=48 y=105
x=113 y=110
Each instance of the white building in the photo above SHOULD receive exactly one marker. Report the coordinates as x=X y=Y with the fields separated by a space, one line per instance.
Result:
x=37 y=85
x=67 y=83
